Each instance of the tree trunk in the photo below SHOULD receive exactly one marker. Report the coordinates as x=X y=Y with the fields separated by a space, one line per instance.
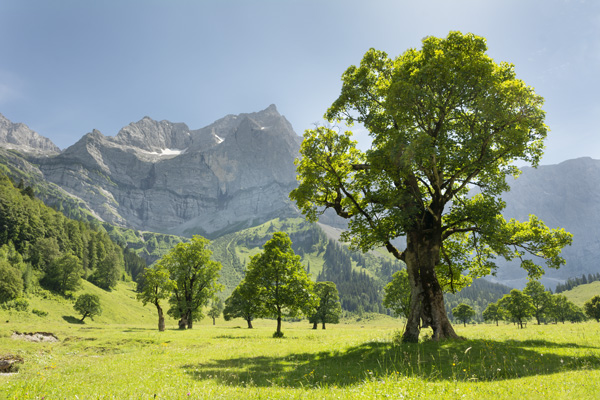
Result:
x=315 y=325
x=182 y=323
x=279 y=324
x=427 y=299
x=465 y=323
x=189 y=320
x=323 y=324
x=214 y=321
x=161 y=317
x=249 y=323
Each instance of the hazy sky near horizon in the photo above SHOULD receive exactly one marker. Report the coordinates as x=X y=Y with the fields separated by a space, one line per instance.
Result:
x=72 y=66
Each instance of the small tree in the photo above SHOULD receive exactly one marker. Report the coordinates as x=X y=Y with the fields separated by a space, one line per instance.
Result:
x=195 y=276
x=592 y=308
x=241 y=304
x=280 y=282
x=518 y=306
x=329 y=308
x=540 y=298
x=156 y=286
x=463 y=312
x=88 y=305
x=216 y=309
x=397 y=294
x=493 y=313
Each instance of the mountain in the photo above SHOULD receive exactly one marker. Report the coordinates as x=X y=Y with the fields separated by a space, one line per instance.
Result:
x=565 y=195
x=18 y=136
x=164 y=177
x=237 y=172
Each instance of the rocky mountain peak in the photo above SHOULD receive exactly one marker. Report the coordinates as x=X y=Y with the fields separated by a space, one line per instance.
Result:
x=154 y=136
x=20 y=137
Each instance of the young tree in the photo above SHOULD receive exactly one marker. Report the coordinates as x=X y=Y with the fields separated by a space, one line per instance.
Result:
x=492 y=313
x=540 y=298
x=329 y=308
x=280 y=282
x=442 y=119
x=592 y=308
x=88 y=305
x=216 y=309
x=242 y=304
x=195 y=276
x=157 y=286
x=397 y=294
x=463 y=312
x=518 y=306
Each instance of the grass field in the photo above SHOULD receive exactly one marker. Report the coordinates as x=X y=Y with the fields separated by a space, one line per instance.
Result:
x=357 y=359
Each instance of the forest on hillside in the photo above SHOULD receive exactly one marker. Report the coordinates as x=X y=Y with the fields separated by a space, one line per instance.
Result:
x=40 y=248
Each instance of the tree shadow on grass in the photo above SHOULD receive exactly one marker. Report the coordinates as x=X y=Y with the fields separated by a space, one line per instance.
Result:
x=72 y=320
x=472 y=360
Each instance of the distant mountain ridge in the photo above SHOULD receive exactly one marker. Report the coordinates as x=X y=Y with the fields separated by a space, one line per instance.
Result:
x=164 y=177
x=18 y=136
x=565 y=195
x=237 y=172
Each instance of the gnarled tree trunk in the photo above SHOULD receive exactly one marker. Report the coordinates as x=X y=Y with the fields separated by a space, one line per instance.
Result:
x=249 y=320
x=161 y=317
x=427 y=299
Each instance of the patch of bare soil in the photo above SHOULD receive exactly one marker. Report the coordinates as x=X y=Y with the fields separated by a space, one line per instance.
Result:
x=35 y=336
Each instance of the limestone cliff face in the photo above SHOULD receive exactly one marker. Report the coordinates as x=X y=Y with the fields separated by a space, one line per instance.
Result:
x=566 y=195
x=19 y=137
x=164 y=177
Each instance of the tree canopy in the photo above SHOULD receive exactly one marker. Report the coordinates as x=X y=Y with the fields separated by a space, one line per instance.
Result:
x=281 y=284
x=88 y=305
x=592 y=308
x=195 y=275
x=242 y=304
x=443 y=120
x=463 y=312
x=329 y=308
x=157 y=286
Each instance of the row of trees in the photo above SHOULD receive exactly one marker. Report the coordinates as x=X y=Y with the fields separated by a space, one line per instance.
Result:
x=276 y=286
x=534 y=302
x=574 y=282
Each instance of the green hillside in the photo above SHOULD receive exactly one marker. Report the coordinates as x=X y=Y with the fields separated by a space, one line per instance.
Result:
x=582 y=293
x=119 y=306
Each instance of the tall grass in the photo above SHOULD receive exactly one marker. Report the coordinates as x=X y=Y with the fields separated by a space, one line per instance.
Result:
x=98 y=360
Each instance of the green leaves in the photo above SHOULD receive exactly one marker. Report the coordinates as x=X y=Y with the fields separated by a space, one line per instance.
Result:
x=88 y=305
x=279 y=280
x=195 y=276
x=397 y=294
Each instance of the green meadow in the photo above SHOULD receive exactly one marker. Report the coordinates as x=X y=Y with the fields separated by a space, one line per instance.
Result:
x=121 y=355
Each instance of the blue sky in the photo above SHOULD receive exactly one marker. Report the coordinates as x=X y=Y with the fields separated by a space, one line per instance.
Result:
x=68 y=67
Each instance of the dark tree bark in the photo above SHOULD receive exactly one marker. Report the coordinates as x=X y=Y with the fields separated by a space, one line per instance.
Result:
x=427 y=298
x=161 y=317
x=315 y=325
x=249 y=320
x=323 y=324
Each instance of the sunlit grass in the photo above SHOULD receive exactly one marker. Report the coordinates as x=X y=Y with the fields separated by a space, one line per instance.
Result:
x=354 y=360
